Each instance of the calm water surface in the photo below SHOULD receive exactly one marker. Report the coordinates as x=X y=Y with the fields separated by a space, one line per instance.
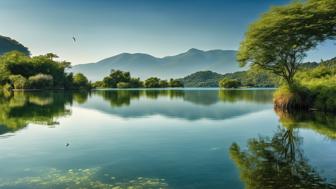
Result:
x=192 y=138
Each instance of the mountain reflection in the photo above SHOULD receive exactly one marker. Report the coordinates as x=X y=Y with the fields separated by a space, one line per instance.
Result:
x=279 y=161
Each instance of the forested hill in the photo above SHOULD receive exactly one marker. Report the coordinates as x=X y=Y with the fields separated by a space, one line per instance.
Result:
x=247 y=78
x=7 y=44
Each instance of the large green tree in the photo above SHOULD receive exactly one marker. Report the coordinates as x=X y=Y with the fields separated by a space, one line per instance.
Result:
x=280 y=39
x=115 y=77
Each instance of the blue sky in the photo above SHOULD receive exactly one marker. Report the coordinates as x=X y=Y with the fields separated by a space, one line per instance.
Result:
x=158 y=27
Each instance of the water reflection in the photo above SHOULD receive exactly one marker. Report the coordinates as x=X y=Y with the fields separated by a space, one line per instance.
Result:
x=257 y=96
x=319 y=122
x=182 y=104
x=119 y=98
x=279 y=161
x=19 y=109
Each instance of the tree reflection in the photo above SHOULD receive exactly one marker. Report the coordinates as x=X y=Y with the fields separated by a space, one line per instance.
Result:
x=19 y=109
x=322 y=123
x=278 y=162
x=119 y=98
x=258 y=96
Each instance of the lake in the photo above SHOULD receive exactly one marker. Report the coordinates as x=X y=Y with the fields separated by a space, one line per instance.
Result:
x=174 y=138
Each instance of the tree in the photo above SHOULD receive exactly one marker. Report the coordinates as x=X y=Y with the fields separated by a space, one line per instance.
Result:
x=152 y=82
x=115 y=77
x=163 y=84
x=229 y=83
x=17 y=63
x=135 y=83
x=80 y=81
x=279 y=40
x=175 y=83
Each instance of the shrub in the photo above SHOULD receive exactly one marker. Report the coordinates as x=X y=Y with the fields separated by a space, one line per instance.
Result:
x=296 y=97
x=123 y=85
x=41 y=81
x=18 y=81
x=229 y=83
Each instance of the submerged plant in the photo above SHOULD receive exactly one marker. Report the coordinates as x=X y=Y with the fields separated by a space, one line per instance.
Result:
x=80 y=178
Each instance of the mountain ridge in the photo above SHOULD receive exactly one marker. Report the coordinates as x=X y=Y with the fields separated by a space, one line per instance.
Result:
x=145 y=65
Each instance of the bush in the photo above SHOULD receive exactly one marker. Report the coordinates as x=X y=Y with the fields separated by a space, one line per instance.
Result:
x=229 y=83
x=297 y=97
x=123 y=85
x=41 y=81
x=19 y=82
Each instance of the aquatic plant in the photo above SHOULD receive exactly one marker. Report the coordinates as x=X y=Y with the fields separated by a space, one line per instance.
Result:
x=81 y=178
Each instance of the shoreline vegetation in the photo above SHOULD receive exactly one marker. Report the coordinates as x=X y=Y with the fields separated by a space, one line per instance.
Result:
x=279 y=41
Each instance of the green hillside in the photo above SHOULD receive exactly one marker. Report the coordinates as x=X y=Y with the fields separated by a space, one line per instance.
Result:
x=7 y=44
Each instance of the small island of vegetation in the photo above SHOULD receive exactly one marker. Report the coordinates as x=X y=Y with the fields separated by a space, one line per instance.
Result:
x=121 y=79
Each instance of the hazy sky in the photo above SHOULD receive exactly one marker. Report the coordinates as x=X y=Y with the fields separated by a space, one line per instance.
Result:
x=158 y=27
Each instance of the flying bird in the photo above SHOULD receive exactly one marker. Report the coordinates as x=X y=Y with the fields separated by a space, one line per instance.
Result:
x=67 y=144
x=74 y=39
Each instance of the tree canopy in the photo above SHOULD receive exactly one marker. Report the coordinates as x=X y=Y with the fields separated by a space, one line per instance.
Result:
x=279 y=40
x=21 y=71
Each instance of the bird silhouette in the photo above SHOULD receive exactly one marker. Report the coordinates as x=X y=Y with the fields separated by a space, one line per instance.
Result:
x=74 y=39
x=67 y=144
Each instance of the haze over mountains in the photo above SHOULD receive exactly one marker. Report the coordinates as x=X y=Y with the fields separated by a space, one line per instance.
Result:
x=145 y=65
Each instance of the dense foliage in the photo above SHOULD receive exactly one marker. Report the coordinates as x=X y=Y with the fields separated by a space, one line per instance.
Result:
x=121 y=79
x=315 y=88
x=80 y=81
x=249 y=78
x=279 y=40
x=202 y=79
x=20 y=71
x=229 y=83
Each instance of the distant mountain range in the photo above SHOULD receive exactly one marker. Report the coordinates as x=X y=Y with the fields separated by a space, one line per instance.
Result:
x=7 y=44
x=178 y=66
